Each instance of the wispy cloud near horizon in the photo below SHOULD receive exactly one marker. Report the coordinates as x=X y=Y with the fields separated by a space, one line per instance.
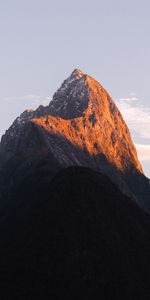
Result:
x=143 y=152
x=137 y=118
x=136 y=115
x=132 y=97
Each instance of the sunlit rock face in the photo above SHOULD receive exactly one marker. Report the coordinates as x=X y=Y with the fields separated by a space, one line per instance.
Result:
x=87 y=117
x=81 y=126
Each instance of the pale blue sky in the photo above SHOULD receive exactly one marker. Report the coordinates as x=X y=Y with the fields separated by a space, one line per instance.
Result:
x=42 y=41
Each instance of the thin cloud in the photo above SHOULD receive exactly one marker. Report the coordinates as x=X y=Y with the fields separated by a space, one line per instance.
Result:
x=133 y=98
x=143 y=152
x=136 y=115
x=33 y=100
x=137 y=118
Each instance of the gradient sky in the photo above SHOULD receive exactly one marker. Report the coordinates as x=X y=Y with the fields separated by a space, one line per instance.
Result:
x=43 y=41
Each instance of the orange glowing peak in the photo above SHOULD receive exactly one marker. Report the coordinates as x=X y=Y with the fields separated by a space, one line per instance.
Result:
x=84 y=114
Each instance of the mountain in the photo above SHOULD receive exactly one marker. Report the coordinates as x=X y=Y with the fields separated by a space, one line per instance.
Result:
x=84 y=114
x=71 y=187
x=81 y=126
x=81 y=238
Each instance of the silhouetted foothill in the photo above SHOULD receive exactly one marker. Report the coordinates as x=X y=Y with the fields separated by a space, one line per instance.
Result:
x=76 y=237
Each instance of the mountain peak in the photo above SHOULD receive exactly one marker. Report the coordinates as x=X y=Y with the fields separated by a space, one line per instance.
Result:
x=84 y=113
x=71 y=99
x=81 y=126
x=77 y=73
x=78 y=92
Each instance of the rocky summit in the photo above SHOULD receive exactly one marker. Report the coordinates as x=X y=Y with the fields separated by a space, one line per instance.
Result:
x=81 y=126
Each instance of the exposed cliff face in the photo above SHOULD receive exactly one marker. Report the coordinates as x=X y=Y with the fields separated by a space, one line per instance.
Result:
x=87 y=117
x=81 y=126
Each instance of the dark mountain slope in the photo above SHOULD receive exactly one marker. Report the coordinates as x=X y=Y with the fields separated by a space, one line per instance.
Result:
x=80 y=238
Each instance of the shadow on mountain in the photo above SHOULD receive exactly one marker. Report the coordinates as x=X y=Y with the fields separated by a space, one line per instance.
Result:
x=34 y=161
x=80 y=238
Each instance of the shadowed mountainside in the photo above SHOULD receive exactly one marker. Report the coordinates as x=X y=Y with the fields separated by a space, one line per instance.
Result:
x=79 y=238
